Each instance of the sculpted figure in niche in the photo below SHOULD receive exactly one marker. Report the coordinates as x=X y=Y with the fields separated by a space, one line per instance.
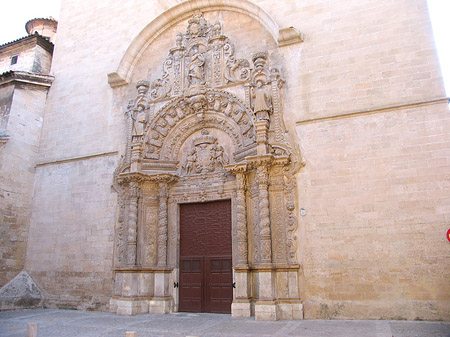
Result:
x=261 y=101
x=139 y=122
x=196 y=73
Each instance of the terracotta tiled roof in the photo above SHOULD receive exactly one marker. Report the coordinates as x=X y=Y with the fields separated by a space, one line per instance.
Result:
x=40 y=38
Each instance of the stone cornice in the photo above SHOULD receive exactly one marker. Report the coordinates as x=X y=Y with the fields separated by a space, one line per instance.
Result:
x=26 y=78
x=236 y=168
x=255 y=161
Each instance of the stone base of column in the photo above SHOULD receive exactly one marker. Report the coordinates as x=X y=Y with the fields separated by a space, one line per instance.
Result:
x=128 y=306
x=162 y=305
x=241 y=308
x=267 y=311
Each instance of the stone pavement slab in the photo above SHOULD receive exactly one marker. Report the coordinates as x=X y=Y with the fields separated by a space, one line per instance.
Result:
x=72 y=323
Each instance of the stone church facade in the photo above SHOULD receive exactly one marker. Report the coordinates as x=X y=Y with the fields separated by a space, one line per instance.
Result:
x=280 y=160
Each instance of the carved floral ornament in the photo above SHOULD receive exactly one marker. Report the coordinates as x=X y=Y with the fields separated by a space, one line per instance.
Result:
x=189 y=123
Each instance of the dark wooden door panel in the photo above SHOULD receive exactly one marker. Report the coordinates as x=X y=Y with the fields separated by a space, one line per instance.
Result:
x=205 y=257
x=220 y=292
x=191 y=284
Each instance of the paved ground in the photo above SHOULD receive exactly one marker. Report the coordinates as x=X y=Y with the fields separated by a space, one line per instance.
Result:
x=70 y=323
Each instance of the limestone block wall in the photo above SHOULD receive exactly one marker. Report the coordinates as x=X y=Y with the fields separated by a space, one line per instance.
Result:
x=70 y=249
x=17 y=160
x=376 y=194
x=356 y=57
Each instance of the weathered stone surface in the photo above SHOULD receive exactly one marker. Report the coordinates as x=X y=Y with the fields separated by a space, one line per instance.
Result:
x=21 y=292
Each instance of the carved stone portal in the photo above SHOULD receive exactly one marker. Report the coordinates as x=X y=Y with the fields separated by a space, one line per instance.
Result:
x=191 y=140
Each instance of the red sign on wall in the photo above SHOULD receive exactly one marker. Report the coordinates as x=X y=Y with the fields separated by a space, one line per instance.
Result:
x=448 y=234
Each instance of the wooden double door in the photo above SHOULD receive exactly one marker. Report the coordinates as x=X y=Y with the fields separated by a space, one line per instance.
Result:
x=205 y=257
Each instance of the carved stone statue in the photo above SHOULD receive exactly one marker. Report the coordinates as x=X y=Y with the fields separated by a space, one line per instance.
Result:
x=139 y=122
x=219 y=156
x=261 y=101
x=196 y=73
x=190 y=161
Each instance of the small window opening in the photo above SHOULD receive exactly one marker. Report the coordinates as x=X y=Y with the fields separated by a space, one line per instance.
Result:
x=14 y=59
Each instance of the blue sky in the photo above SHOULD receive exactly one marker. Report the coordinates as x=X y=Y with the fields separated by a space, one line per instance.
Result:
x=17 y=12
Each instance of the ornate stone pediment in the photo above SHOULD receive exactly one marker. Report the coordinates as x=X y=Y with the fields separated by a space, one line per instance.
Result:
x=202 y=56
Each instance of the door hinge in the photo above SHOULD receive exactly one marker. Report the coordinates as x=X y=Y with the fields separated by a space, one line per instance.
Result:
x=175 y=284
x=233 y=284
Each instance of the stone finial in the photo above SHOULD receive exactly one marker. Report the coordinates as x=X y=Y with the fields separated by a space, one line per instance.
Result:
x=259 y=59
x=142 y=85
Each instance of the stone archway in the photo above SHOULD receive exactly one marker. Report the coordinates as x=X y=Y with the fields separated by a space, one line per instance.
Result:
x=190 y=140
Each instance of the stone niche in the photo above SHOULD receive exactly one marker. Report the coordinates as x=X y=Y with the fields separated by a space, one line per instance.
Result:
x=210 y=127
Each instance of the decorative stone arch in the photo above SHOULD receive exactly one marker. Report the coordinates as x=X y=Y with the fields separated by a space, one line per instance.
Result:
x=182 y=11
x=210 y=127
x=176 y=121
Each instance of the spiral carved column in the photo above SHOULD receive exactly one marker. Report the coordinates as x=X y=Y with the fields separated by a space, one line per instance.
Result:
x=132 y=225
x=262 y=175
x=163 y=189
x=241 y=219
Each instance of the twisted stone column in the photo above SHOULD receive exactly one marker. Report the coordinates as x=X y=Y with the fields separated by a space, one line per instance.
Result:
x=262 y=176
x=241 y=219
x=163 y=223
x=132 y=225
x=239 y=170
